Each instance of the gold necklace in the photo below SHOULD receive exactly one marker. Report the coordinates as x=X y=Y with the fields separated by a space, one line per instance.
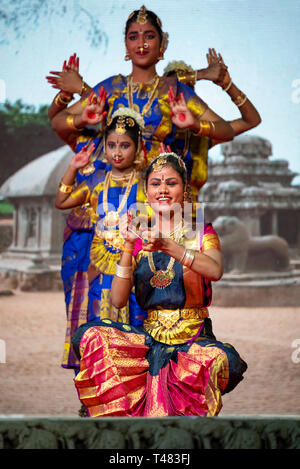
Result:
x=125 y=177
x=112 y=218
x=150 y=99
x=163 y=278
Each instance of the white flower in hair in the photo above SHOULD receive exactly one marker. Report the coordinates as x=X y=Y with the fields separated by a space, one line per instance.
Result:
x=177 y=65
x=127 y=112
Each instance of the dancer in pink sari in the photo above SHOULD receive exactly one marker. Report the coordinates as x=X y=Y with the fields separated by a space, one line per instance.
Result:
x=173 y=364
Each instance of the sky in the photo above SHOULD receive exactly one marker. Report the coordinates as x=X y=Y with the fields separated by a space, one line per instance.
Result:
x=258 y=39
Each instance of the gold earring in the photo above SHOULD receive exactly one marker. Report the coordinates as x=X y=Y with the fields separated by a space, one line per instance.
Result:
x=161 y=54
x=127 y=56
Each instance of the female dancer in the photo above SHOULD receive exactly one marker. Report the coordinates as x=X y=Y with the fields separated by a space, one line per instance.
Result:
x=147 y=93
x=109 y=193
x=173 y=364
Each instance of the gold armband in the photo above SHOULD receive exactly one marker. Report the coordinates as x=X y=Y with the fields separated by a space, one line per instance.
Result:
x=186 y=77
x=65 y=188
x=70 y=123
x=205 y=129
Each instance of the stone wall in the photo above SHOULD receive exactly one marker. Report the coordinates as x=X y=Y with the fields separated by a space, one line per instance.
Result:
x=172 y=433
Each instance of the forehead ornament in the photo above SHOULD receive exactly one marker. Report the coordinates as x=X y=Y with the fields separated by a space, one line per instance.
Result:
x=142 y=15
x=160 y=163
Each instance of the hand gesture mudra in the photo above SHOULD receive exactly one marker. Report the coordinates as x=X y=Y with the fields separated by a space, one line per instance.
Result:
x=180 y=114
x=153 y=240
x=218 y=71
x=81 y=159
x=94 y=113
x=68 y=80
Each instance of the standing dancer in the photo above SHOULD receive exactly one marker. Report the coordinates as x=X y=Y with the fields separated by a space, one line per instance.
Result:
x=109 y=193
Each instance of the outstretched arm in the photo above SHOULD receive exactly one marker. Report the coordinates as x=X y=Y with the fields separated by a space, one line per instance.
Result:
x=208 y=264
x=68 y=81
x=250 y=117
x=209 y=125
x=64 y=199
x=70 y=122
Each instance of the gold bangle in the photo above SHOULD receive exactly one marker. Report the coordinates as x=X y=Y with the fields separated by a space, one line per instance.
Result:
x=204 y=130
x=183 y=256
x=61 y=101
x=84 y=88
x=123 y=271
x=128 y=250
x=189 y=258
x=228 y=86
x=66 y=189
x=70 y=123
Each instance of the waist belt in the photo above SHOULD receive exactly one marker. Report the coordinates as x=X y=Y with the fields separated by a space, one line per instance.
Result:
x=176 y=314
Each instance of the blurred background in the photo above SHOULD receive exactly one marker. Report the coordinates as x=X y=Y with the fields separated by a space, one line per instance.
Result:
x=259 y=41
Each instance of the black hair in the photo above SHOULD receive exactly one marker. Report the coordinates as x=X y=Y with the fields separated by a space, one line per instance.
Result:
x=133 y=130
x=152 y=18
x=172 y=161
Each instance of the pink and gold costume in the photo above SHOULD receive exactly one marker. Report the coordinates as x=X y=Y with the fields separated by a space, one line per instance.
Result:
x=173 y=364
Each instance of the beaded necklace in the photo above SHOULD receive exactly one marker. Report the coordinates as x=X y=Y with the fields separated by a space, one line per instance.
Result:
x=150 y=99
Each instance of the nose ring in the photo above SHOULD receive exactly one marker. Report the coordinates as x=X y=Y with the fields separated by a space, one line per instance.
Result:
x=146 y=45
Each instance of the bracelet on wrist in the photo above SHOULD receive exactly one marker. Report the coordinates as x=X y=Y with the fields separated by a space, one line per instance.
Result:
x=228 y=86
x=124 y=271
x=84 y=88
x=189 y=258
x=60 y=101
x=65 y=188
x=127 y=250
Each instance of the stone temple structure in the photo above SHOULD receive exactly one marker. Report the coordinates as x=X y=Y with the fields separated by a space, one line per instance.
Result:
x=33 y=258
x=248 y=197
x=256 y=212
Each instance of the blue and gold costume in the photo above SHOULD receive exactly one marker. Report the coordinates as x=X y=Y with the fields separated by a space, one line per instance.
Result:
x=151 y=101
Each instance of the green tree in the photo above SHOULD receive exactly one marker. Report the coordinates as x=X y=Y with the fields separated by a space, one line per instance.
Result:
x=25 y=135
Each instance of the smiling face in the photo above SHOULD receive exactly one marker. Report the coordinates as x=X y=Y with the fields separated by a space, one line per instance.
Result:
x=165 y=189
x=143 y=44
x=120 y=151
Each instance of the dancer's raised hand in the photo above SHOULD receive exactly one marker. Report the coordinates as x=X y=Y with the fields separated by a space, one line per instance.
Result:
x=68 y=80
x=180 y=114
x=81 y=159
x=94 y=113
x=218 y=71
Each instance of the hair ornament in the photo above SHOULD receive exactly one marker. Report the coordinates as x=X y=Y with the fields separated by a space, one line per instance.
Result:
x=130 y=115
x=142 y=15
x=162 y=160
x=176 y=65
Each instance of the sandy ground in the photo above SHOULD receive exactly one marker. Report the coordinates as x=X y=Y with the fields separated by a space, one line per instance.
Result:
x=32 y=381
